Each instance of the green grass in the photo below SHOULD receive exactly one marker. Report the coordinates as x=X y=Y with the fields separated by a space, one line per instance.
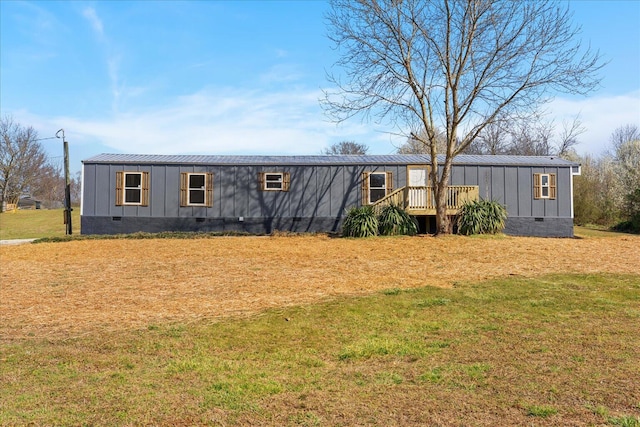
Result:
x=588 y=231
x=541 y=411
x=506 y=352
x=624 y=421
x=33 y=224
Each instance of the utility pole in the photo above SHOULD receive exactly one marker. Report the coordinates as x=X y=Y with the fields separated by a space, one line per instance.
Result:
x=67 y=185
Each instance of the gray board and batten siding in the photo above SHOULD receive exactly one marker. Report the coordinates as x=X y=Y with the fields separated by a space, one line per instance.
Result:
x=320 y=191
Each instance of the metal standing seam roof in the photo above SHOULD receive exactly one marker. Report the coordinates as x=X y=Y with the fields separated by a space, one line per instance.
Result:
x=384 y=159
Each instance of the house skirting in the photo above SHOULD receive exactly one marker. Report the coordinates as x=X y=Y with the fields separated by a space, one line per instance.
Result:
x=515 y=226
x=539 y=227
x=126 y=225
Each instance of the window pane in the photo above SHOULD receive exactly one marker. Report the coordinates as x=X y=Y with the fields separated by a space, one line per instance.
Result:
x=274 y=185
x=377 y=180
x=376 y=195
x=132 y=196
x=545 y=180
x=196 y=181
x=273 y=177
x=545 y=191
x=132 y=179
x=196 y=196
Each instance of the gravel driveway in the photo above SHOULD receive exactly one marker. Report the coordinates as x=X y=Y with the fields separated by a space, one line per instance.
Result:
x=16 y=241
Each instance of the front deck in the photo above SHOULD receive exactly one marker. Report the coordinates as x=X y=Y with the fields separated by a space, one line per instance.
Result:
x=420 y=201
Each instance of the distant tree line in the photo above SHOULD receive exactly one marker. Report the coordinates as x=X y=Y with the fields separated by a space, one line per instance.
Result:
x=345 y=148
x=26 y=170
x=530 y=136
x=608 y=191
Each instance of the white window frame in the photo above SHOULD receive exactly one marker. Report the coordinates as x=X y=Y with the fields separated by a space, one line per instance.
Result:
x=203 y=189
x=125 y=189
x=384 y=185
x=550 y=187
x=186 y=189
x=279 y=181
x=545 y=186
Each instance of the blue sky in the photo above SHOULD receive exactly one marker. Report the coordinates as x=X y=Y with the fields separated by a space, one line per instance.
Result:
x=243 y=77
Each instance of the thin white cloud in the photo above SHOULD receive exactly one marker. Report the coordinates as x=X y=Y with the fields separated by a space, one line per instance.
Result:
x=281 y=73
x=600 y=115
x=253 y=121
x=219 y=121
x=113 y=65
x=90 y=14
x=237 y=121
x=113 y=58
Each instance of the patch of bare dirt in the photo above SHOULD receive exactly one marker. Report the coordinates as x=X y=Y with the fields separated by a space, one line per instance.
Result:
x=57 y=290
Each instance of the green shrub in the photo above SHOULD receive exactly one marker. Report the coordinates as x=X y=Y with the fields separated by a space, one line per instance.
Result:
x=631 y=226
x=360 y=222
x=395 y=221
x=392 y=221
x=481 y=217
x=632 y=211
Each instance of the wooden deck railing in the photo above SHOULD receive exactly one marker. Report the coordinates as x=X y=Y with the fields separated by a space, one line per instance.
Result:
x=421 y=200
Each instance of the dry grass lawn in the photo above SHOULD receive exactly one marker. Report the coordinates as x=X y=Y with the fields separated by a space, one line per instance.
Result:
x=61 y=290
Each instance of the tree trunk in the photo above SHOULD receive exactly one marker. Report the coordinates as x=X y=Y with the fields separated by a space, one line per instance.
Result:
x=442 y=219
x=441 y=184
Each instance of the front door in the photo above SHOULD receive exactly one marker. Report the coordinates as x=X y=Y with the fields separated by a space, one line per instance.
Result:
x=418 y=182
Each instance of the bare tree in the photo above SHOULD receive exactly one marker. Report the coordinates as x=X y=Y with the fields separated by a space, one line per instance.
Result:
x=494 y=139
x=569 y=137
x=49 y=186
x=531 y=138
x=415 y=144
x=345 y=147
x=76 y=189
x=21 y=160
x=457 y=65
x=624 y=134
x=528 y=136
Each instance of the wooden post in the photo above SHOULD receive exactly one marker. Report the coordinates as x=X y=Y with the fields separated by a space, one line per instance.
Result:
x=67 y=188
x=67 y=185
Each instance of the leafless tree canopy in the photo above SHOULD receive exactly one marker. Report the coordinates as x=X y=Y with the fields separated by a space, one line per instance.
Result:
x=624 y=134
x=415 y=144
x=528 y=136
x=21 y=160
x=26 y=169
x=346 y=147
x=453 y=65
x=49 y=186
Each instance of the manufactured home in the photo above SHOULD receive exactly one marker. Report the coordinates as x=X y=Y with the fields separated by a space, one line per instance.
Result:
x=123 y=193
